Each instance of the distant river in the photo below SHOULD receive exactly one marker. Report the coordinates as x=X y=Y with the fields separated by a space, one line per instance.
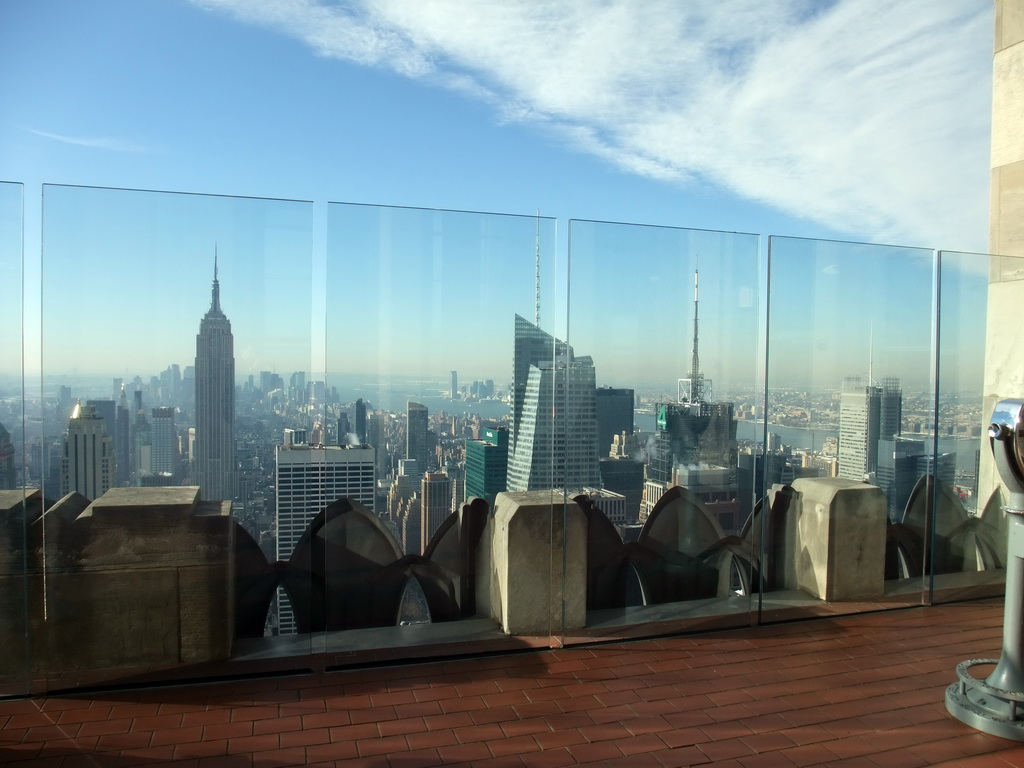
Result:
x=813 y=439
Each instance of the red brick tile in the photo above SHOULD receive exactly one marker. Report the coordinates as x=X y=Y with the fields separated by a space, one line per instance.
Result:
x=431 y=739
x=536 y=709
x=156 y=722
x=134 y=710
x=552 y=758
x=391 y=698
x=517 y=745
x=326 y=719
x=604 y=732
x=374 y=715
x=200 y=749
x=147 y=755
x=770 y=741
x=29 y=720
x=569 y=720
x=179 y=709
x=304 y=738
x=602 y=750
x=807 y=734
x=456 y=753
x=253 y=713
x=418 y=709
x=766 y=760
x=330 y=752
x=82 y=715
x=104 y=727
x=206 y=717
x=723 y=750
x=642 y=744
x=177 y=736
x=811 y=754
x=354 y=732
x=558 y=738
x=226 y=761
x=900 y=758
x=525 y=727
x=498 y=715
x=473 y=733
x=47 y=733
x=228 y=730
x=460 y=704
x=447 y=722
x=382 y=746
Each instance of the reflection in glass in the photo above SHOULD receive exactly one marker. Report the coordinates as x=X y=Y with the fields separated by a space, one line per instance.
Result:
x=166 y=320
x=969 y=550
x=424 y=310
x=14 y=506
x=851 y=424
x=674 y=341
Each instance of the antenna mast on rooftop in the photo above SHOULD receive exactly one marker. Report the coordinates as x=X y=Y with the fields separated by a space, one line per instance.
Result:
x=537 y=276
x=871 y=355
x=695 y=362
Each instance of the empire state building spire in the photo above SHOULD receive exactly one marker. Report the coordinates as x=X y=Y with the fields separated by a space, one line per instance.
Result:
x=215 y=310
x=214 y=460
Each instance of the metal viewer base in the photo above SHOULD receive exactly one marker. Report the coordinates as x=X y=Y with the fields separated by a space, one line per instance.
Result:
x=982 y=706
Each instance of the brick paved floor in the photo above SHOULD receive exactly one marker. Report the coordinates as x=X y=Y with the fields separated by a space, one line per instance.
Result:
x=857 y=692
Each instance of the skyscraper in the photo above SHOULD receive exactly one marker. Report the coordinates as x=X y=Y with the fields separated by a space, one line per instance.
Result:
x=361 y=420
x=694 y=431
x=8 y=476
x=87 y=462
x=164 y=437
x=487 y=464
x=555 y=429
x=454 y=391
x=860 y=410
x=890 y=416
x=531 y=347
x=435 y=504
x=416 y=435
x=215 y=403
x=614 y=416
x=122 y=438
x=308 y=479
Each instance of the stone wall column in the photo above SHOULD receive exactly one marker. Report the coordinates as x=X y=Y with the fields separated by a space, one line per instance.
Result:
x=1004 y=340
x=533 y=563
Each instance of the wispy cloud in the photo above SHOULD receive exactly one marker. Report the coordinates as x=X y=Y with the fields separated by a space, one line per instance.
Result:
x=93 y=142
x=870 y=117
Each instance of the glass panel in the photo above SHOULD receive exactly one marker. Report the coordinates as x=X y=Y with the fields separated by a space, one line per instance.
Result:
x=424 y=310
x=670 y=319
x=14 y=504
x=969 y=548
x=165 y=319
x=850 y=415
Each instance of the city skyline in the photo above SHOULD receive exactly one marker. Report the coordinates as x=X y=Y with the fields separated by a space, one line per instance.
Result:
x=410 y=278
x=458 y=132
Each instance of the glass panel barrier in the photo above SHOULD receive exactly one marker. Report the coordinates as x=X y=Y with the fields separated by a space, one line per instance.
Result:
x=424 y=309
x=667 y=322
x=850 y=415
x=165 y=321
x=978 y=300
x=15 y=503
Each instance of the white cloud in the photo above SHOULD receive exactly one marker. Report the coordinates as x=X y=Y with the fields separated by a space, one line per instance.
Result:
x=93 y=142
x=870 y=117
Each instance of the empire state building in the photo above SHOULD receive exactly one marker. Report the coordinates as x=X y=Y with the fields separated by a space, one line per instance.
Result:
x=214 y=460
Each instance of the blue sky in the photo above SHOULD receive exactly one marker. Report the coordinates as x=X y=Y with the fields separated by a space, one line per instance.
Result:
x=856 y=120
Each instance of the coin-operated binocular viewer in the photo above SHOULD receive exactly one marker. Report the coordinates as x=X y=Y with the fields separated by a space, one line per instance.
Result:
x=996 y=704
